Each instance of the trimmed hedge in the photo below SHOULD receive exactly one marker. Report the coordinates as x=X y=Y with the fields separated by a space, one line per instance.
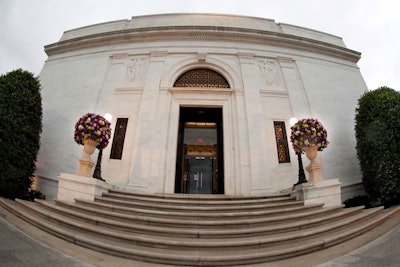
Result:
x=21 y=125
x=378 y=144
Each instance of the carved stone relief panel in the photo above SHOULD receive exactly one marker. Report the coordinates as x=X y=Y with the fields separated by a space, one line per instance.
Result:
x=271 y=75
x=135 y=68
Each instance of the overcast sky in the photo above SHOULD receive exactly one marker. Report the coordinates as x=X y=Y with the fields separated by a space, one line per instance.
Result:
x=371 y=27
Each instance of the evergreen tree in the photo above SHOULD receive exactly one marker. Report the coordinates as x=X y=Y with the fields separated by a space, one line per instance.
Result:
x=378 y=143
x=21 y=125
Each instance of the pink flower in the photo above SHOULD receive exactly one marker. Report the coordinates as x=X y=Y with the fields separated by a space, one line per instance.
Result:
x=93 y=127
x=306 y=132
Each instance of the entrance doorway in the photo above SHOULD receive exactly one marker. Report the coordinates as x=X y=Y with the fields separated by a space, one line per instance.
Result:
x=199 y=161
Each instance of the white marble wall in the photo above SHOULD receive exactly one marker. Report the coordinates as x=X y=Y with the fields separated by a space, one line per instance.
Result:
x=135 y=81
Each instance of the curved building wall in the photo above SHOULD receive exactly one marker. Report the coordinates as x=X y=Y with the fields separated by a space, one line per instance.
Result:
x=128 y=68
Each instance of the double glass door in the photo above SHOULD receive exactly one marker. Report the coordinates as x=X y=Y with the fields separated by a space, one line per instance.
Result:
x=199 y=175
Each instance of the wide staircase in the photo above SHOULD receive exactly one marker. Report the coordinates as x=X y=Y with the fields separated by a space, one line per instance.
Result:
x=198 y=230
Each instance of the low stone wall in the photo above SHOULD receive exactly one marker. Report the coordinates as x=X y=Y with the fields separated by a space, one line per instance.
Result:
x=74 y=186
x=326 y=191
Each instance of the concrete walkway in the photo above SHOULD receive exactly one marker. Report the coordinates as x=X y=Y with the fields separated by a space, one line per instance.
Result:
x=38 y=248
x=19 y=250
x=383 y=252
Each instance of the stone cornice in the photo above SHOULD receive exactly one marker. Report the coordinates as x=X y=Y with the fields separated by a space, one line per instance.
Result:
x=201 y=33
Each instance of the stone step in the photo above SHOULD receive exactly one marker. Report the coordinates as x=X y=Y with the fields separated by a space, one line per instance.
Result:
x=201 y=205
x=197 y=199
x=179 y=243
x=201 y=212
x=172 y=242
x=232 y=219
x=200 y=251
x=129 y=216
x=98 y=217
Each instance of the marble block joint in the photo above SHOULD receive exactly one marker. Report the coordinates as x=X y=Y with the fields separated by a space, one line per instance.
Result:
x=327 y=192
x=72 y=186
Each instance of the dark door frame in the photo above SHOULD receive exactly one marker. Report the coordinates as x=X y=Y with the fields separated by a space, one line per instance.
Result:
x=199 y=114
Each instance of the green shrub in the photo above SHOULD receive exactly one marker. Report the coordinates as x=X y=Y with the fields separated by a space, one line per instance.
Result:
x=21 y=125
x=35 y=194
x=358 y=201
x=378 y=143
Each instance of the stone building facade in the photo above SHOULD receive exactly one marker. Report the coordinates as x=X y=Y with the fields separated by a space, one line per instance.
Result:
x=201 y=103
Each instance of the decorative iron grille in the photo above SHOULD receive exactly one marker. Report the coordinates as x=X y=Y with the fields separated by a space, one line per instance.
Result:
x=281 y=142
x=201 y=78
x=119 y=138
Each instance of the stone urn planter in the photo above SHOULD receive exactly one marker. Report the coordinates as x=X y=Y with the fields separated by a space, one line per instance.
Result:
x=86 y=163
x=92 y=131
x=89 y=146
x=314 y=168
x=310 y=136
x=311 y=152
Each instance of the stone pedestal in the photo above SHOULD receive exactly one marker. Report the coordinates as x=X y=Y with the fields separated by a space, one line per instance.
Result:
x=327 y=192
x=314 y=171
x=73 y=186
x=85 y=167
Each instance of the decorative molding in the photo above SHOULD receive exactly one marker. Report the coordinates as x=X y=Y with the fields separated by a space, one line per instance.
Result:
x=201 y=90
x=286 y=62
x=202 y=33
x=201 y=56
x=271 y=93
x=239 y=93
x=128 y=90
x=285 y=59
x=246 y=58
x=164 y=90
x=158 y=56
x=119 y=58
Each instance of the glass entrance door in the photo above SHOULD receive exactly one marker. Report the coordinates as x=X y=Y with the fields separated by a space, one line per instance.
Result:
x=200 y=175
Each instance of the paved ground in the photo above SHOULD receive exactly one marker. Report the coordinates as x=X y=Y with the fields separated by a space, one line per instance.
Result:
x=382 y=252
x=18 y=249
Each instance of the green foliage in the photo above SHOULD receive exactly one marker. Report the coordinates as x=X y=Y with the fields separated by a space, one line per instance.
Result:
x=21 y=125
x=358 y=201
x=378 y=143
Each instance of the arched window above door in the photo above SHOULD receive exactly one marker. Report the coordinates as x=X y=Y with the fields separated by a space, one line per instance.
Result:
x=201 y=78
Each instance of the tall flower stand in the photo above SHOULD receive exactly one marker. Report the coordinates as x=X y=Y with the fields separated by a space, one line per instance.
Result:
x=71 y=187
x=86 y=163
x=317 y=190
